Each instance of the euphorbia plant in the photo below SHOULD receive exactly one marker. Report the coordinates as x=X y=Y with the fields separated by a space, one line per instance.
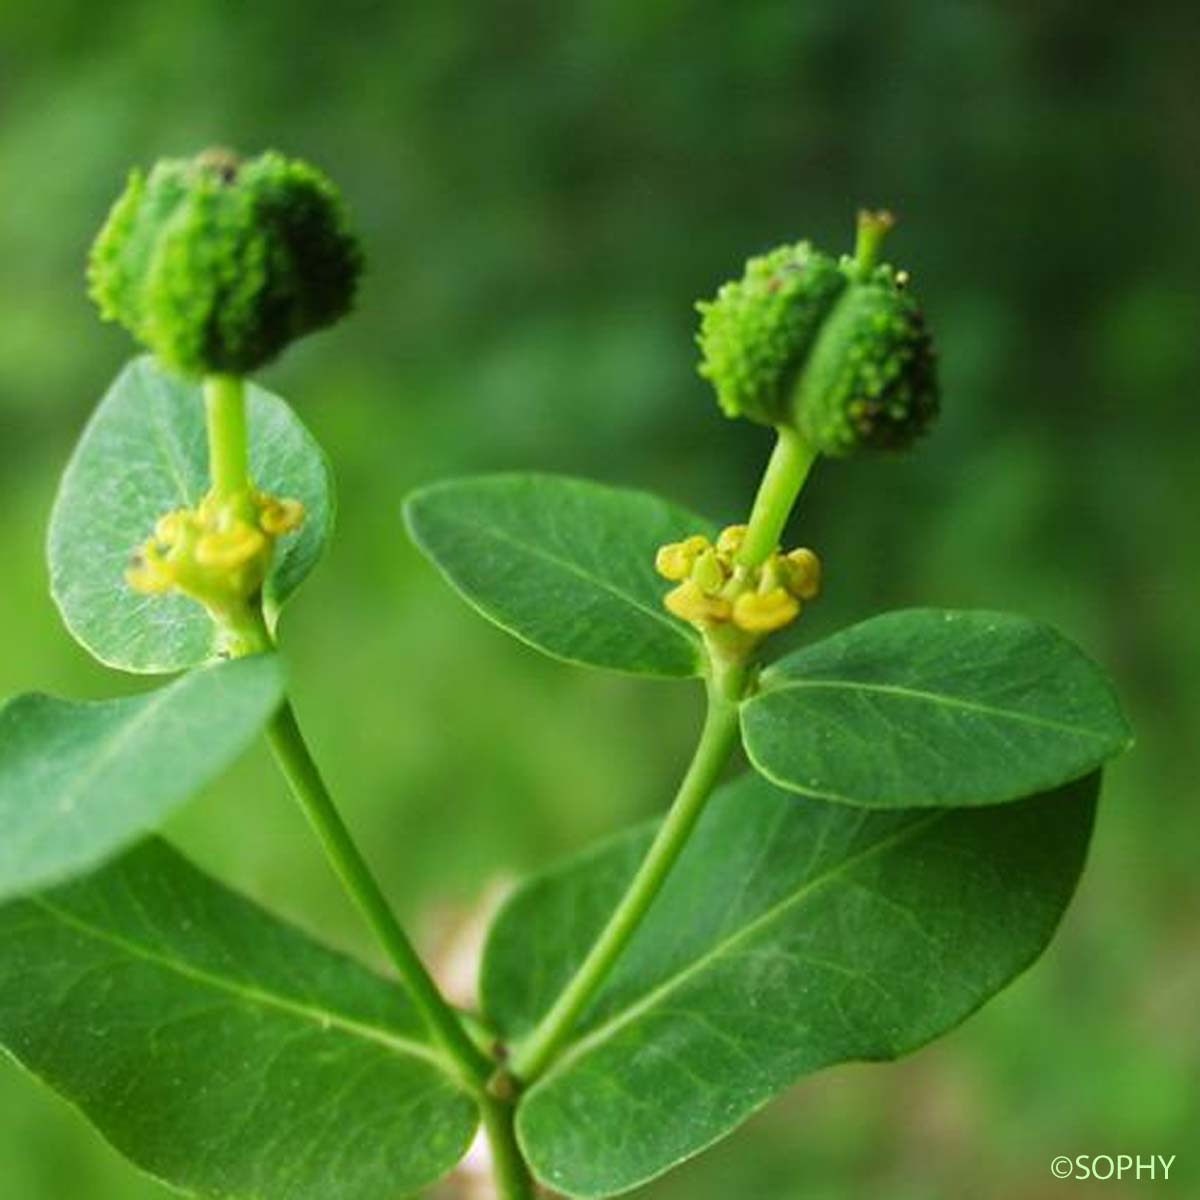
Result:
x=914 y=824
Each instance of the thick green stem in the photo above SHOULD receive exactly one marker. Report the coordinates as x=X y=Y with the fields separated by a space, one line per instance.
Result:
x=790 y=463
x=228 y=444
x=513 y=1181
x=306 y=783
x=717 y=740
x=228 y=448
x=245 y=632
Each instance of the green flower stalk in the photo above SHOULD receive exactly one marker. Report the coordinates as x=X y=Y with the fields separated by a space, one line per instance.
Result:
x=216 y=263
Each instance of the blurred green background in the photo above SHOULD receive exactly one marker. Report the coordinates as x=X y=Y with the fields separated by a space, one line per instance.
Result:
x=543 y=189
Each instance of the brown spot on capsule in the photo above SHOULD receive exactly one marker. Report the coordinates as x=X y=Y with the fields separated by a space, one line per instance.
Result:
x=220 y=161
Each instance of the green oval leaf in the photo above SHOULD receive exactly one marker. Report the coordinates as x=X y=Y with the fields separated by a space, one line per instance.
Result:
x=563 y=564
x=933 y=707
x=143 y=453
x=80 y=780
x=218 y=1048
x=791 y=935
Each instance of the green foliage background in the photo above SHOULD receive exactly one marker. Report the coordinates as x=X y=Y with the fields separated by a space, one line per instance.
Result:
x=543 y=189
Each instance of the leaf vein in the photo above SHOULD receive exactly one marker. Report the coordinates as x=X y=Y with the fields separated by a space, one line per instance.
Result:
x=615 y=1021
x=933 y=698
x=323 y=1018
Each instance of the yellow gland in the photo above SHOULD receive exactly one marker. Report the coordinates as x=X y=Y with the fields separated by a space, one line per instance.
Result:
x=804 y=573
x=764 y=612
x=674 y=561
x=277 y=517
x=714 y=590
x=691 y=603
x=709 y=572
x=731 y=538
x=218 y=553
x=228 y=549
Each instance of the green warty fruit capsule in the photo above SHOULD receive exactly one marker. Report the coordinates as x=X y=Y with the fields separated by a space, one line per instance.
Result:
x=837 y=349
x=217 y=263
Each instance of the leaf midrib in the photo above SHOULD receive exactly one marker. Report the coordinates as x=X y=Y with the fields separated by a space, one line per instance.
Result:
x=611 y=1024
x=919 y=694
x=323 y=1018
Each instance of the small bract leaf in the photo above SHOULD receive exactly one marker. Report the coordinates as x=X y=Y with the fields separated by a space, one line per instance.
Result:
x=80 y=780
x=563 y=564
x=218 y=1048
x=143 y=453
x=791 y=935
x=933 y=707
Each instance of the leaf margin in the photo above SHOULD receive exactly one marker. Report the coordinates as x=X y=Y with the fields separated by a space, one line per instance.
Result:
x=683 y=631
x=773 y=680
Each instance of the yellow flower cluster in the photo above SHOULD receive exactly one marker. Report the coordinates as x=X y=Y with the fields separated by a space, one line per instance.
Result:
x=218 y=553
x=714 y=588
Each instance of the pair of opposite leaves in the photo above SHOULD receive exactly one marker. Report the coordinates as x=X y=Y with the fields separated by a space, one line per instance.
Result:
x=792 y=934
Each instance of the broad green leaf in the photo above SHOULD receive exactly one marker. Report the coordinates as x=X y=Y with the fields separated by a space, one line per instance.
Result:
x=563 y=564
x=928 y=707
x=144 y=453
x=791 y=935
x=218 y=1048
x=80 y=780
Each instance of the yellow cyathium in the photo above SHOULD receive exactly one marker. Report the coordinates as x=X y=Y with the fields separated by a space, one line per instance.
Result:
x=714 y=589
x=218 y=553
